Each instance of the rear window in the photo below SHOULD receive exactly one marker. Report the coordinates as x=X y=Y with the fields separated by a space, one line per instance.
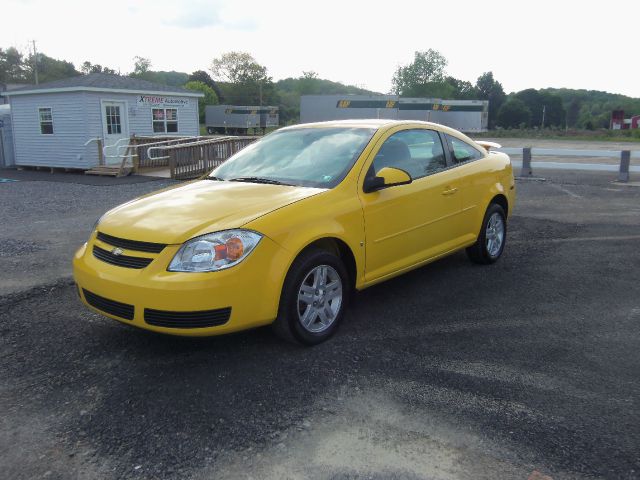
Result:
x=462 y=151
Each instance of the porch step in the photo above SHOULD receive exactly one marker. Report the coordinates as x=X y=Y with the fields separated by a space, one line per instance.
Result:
x=109 y=171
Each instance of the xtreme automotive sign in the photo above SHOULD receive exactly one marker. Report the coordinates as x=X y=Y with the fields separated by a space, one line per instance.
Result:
x=159 y=100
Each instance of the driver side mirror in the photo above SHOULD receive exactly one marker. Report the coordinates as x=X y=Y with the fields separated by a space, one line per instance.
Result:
x=387 y=177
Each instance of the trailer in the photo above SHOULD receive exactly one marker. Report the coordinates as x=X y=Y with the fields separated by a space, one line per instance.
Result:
x=463 y=115
x=238 y=119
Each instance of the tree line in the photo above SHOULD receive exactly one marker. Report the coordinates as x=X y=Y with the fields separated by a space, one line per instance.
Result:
x=237 y=78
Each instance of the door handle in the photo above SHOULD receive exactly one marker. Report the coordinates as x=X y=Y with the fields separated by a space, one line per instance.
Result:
x=450 y=191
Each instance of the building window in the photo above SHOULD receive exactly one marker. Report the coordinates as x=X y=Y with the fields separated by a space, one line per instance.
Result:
x=165 y=120
x=46 y=121
x=114 y=124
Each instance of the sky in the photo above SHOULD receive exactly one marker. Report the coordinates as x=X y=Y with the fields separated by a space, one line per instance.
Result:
x=581 y=44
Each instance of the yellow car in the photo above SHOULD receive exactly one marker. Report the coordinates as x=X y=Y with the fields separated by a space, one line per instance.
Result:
x=285 y=230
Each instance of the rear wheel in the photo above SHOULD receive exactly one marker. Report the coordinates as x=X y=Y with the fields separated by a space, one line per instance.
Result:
x=492 y=238
x=313 y=298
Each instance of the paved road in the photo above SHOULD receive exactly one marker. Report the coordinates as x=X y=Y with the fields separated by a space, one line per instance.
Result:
x=566 y=143
x=453 y=371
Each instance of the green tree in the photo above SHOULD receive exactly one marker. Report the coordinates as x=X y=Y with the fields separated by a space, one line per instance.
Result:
x=88 y=67
x=427 y=67
x=534 y=102
x=239 y=68
x=543 y=101
x=513 y=114
x=210 y=97
x=13 y=67
x=463 y=90
x=555 y=114
x=204 y=77
x=488 y=88
x=573 y=110
x=141 y=65
x=50 y=69
x=436 y=89
x=246 y=82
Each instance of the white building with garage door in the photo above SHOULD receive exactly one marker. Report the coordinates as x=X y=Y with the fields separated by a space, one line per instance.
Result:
x=56 y=124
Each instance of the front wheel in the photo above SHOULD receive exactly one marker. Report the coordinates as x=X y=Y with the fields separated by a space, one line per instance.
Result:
x=313 y=298
x=492 y=238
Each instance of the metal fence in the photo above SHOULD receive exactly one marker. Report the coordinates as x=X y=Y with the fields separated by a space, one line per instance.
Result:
x=194 y=159
x=623 y=168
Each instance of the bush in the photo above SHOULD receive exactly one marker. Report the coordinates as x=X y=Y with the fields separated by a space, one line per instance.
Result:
x=210 y=97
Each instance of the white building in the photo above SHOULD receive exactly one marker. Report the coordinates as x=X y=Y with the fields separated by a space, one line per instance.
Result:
x=52 y=122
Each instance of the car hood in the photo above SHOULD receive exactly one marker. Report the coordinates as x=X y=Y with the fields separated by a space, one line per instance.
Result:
x=177 y=214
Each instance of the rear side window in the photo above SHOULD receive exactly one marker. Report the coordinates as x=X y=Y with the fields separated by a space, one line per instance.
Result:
x=417 y=152
x=461 y=151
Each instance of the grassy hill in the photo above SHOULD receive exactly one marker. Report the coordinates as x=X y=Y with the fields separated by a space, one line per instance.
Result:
x=591 y=109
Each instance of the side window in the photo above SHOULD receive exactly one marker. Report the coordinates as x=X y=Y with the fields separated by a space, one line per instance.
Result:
x=462 y=151
x=46 y=121
x=418 y=152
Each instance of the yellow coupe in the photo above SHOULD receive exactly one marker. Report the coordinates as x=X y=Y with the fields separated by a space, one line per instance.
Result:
x=285 y=230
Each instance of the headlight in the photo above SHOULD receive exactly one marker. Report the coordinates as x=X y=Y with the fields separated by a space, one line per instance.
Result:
x=214 y=251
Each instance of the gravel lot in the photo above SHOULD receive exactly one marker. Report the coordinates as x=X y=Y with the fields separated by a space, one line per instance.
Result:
x=45 y=217
x=453 y=371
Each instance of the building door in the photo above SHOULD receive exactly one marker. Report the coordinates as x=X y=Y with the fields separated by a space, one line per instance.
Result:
x=115 y=130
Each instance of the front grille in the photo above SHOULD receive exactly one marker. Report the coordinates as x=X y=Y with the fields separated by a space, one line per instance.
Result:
x=131 y=244
x=120 y=260
x=112 y=307
x=200 y=319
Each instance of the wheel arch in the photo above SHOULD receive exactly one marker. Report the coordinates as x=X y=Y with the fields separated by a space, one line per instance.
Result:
x=501 y=200
x=338 y=247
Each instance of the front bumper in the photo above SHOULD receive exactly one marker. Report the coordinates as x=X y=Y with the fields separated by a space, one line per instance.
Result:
x=241 y=297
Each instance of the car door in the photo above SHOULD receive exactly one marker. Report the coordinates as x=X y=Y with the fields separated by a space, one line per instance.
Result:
x=474 y=179
x=408 y=224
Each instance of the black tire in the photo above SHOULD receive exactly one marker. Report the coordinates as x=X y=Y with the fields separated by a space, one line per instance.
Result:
x=479 y=251
x=288 y=325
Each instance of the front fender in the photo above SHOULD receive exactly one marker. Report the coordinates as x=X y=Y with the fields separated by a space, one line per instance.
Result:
x=332 y=214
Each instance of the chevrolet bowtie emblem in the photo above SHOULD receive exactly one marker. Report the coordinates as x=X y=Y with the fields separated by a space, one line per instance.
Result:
x=117 y=251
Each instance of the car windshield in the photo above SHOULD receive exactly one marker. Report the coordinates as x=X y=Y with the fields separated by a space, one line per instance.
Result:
x=310 y=157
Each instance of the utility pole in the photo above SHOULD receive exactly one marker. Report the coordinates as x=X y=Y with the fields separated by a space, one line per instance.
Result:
x=544 y=109
x=35 y=62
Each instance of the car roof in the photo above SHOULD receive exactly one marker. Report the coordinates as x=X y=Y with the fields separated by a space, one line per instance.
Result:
x=377 y=123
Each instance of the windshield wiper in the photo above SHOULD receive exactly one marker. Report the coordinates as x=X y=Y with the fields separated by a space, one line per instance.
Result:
x=257 y=180
x=215 y=178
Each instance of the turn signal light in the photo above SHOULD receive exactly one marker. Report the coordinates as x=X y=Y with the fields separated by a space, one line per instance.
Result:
x=231 y=250
x=235 y=249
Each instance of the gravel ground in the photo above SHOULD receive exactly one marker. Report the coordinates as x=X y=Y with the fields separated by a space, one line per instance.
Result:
x=45 y=217
x=524 y=369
